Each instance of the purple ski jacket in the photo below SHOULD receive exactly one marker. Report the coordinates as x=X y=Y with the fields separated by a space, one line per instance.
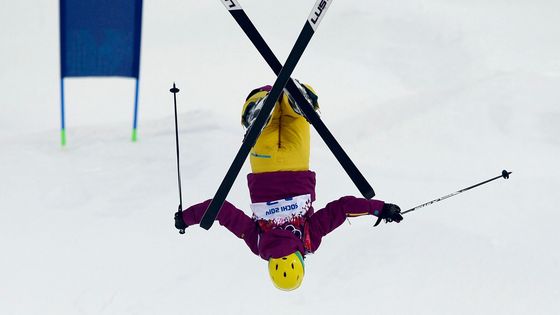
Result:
x=277 y=243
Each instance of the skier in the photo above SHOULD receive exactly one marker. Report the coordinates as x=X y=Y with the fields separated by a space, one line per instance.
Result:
x=284 y=227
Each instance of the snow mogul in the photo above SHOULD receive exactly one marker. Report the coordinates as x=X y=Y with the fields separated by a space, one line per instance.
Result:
x=284 y=228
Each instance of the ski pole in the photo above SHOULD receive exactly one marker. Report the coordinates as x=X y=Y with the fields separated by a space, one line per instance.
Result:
x=175 y=90
x=505 y=175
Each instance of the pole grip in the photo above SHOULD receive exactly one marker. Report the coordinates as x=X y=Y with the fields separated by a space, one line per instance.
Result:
x=180 y=211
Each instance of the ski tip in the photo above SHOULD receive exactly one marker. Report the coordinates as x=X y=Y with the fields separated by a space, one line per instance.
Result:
x=505 y=174
x=206 y=225
x=368 y=194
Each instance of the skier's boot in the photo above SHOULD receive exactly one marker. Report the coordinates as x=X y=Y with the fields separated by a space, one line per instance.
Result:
x=253 y=106
x=309 y=94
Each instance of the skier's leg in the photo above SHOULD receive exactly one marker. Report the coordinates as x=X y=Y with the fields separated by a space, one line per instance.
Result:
x=263 y=156
x=293 y=137
x=284 y=143
x=293 y=131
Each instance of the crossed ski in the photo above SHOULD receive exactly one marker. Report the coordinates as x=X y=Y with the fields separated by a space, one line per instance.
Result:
x=253 y=34
x=283 y=80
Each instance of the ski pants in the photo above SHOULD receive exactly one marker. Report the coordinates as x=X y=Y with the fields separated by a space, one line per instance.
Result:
x=284 y=143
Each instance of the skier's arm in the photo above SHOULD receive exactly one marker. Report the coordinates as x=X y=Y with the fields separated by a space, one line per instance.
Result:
x=335 y=213
x=235 y=220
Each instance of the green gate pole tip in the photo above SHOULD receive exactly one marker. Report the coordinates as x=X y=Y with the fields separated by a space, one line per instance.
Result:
x=134 y=136
x=63 y=137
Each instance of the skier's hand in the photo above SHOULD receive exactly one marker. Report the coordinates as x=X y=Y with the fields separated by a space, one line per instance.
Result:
x=391 y=213
x=179 y=223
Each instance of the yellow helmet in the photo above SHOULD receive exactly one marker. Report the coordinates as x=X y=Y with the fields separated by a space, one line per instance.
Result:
x=287 y=272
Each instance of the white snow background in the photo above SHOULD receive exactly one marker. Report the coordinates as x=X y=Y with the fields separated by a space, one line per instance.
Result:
x=426 y=96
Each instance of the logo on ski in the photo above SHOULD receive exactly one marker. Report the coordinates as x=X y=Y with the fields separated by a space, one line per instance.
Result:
x=231 y=4
x=317 y=15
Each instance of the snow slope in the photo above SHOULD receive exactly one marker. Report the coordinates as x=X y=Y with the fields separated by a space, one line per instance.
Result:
x=427 y=97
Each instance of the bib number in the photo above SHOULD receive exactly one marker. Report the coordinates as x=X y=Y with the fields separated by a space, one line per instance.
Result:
x=282 y=210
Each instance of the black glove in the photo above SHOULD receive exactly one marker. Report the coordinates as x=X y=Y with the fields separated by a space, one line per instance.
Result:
x=390 y=213
x=179 y=223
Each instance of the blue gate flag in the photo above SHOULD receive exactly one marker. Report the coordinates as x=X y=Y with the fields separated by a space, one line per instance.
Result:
x=100 y=37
